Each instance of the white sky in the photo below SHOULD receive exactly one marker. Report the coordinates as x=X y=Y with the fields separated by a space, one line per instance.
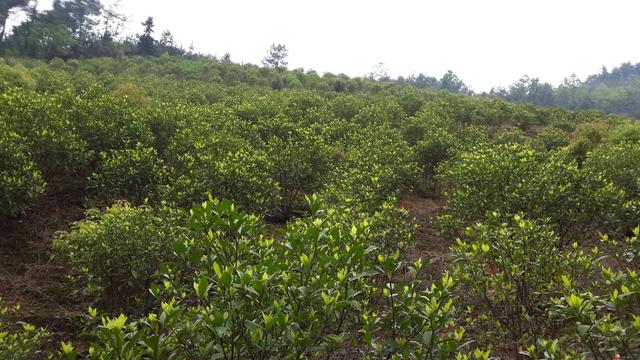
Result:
x=486 y=43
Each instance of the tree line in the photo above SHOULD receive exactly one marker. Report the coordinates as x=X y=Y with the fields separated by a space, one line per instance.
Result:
x=74 y=29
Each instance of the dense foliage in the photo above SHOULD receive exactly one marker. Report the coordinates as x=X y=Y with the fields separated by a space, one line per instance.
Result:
x=295 y=245
x=20 y=180
x=118 y=252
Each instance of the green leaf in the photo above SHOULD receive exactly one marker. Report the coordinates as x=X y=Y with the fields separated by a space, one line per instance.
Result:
x=202 y=287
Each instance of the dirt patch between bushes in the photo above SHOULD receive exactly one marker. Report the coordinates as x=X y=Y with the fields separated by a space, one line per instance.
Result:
x=28 y=276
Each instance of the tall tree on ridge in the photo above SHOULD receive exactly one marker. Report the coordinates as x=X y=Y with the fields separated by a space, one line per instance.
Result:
x=146 y=42
x=276 y=56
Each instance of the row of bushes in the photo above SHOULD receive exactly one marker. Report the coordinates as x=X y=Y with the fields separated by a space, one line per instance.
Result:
x=264 y=153
x=219 y=287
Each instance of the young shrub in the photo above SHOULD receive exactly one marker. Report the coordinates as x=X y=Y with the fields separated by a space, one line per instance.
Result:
x=51 y=81
x=131 y=174
x=516 y=178
x=108 y=122
x=515 y=269
x=523 y=116
x=299 y=164
x=628 y=132
x=585 y=138
x=242 y=176
x=134 y=92
x=511 y=136
x=435 y=147
x=15 y=76
x=602 y=320
x=553 y=138
x=414 y=323
x=469 y=138
x=618 y=164
x=425 y=121
x=377 y=167
x=118 y=251
x=48 y=134
x=322 y=288
x=221 y=156
x=20 y=180
x=346 y=106
x=20 y=342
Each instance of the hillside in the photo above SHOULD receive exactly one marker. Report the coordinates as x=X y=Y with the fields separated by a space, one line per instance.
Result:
x=156 y=203
x=101 y=158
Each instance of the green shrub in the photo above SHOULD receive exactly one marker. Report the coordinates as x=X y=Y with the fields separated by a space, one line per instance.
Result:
x=15 y=76
x=587 y=137
x=107 y=122
x=47 y=132
x=131 y=174
x=437 y=146
x=553 y=138
x=469 y=138
x=602 y=320
x=618 y=164
x=243 y=176
x=511 y=136
x=118 y=251
x=377 y=167
x=222 y=156
x=515 y=269
x=518 y=179
x=299 y=164
x=627 y=132
x=20 y=342
x=20 y=180
x=233 y=293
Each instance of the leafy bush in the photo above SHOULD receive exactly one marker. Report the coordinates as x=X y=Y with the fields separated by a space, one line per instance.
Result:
x=15 y=76
x=587 y=137
x=553 y=138
x=47 y=132
x=222 y=156
x=470 y=138
x=600 y=321
x=299 y=164
x=107 y=122
x=243 y=176
x=624 y=133
x=20 y=180
x=233 y=293
x=377 y=167
x=118 y=251
x=437 y=146
x=21 y=342
x=131 y=174
x=514 y=178
x=617 y=164
x=515 y=269
x=511 y=136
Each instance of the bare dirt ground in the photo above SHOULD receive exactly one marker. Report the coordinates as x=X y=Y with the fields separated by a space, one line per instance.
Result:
x=429 y=245
x=28 y=276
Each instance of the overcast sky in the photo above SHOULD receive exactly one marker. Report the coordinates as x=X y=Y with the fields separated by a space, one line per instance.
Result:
x=487 y=43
